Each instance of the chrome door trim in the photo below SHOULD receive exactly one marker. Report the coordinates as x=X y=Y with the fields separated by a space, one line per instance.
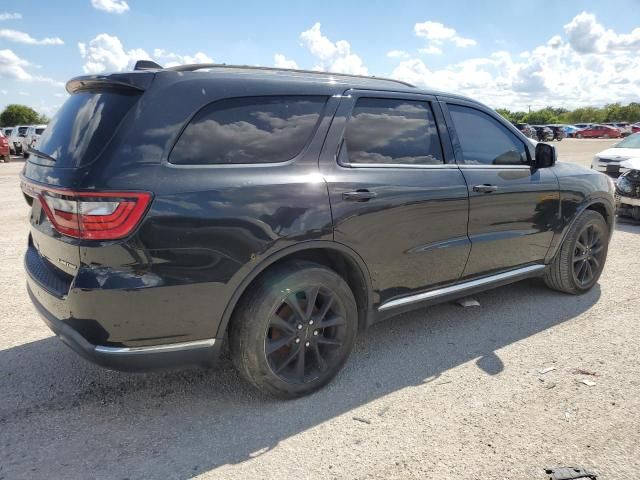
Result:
x=170 y=347
x=441 y=292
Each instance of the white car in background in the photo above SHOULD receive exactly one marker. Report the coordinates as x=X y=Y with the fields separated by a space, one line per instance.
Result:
x=608 y=161
x=628 y=189
x=31 y=138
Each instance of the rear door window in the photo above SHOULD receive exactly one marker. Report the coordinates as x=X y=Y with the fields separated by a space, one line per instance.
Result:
x=249 y=130
x=392 y=131
x=85 y=123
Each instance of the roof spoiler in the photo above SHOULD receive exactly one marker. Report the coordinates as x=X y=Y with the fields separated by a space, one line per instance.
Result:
x=132 y=82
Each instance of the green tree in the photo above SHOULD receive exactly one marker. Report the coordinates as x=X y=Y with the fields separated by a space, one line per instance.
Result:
x=18 y=115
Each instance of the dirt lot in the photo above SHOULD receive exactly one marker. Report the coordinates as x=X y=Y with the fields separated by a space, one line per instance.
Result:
x=443 y=393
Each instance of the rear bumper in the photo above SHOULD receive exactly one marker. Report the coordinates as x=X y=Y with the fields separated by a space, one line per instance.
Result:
x=130 y=359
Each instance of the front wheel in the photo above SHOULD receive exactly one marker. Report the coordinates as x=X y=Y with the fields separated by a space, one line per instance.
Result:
x=294 y=332
x=578 y=264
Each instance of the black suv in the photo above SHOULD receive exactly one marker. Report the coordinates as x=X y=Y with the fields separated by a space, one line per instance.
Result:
x=285 y=211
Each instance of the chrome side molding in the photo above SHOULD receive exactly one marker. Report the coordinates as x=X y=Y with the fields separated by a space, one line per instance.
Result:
x=170 y=347
x=461 y=287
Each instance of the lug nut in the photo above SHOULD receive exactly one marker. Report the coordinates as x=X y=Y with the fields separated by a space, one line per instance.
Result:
x=299 y=326
x=310 y=322
x=297 y=340
x=306 y=344
x=315 y=332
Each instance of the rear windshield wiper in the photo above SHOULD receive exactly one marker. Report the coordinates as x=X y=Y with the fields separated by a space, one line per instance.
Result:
x=40 y=154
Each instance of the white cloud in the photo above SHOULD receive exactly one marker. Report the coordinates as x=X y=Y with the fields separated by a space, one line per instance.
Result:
x=568 y=70
x=334 y=57
x=22 y=37
x=111 y=6
x=13 y=67
x=437 y=34
x=431 y=50
x=586 y=35
x=397 y=54
x=106 y=53
x=280 y=61
x=170 y=59
x=9 y=16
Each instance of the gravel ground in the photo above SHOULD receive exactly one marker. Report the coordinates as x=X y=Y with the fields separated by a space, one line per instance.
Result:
x=443 y=392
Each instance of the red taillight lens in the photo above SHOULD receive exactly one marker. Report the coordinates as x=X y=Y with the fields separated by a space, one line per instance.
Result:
x=91 y=215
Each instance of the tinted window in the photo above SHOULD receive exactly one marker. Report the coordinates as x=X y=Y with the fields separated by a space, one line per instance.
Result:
x=249 y=130
x=39 y=131
x=83 y=126
x=484 y=140
x=392 y=131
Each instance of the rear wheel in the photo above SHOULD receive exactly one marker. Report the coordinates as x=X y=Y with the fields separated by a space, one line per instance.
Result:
x=579 y=135
x=579 y=263
x=294 y=332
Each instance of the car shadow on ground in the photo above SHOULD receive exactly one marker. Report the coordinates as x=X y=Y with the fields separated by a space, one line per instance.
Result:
x=627 y=224
x=60 y=415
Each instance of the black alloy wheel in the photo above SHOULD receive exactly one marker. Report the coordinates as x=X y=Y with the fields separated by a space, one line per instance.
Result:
x=295 y=330
x=588 y=255
x=303 y=335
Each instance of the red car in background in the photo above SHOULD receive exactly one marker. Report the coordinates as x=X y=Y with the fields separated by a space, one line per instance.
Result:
x=635 y=128
x=4 y=148
x=595 y=131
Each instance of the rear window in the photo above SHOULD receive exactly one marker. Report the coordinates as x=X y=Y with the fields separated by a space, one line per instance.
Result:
x=39 y=131
x=83 y=126
x=249 y=130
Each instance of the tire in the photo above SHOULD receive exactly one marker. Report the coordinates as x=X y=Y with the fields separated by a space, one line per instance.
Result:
x=269 y=338
x=579 y=135
x=569 y=270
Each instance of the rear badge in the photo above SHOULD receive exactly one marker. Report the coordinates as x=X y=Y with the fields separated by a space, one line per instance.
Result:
x=67 y=264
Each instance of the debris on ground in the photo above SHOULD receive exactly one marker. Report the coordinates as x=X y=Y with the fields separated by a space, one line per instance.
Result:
x=580 y=371
x=588 y=383
x=569 y=473
x=468 y=302
x=542 y=371
x=362 y=420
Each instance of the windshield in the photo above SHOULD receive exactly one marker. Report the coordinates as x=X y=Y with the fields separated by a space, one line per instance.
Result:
x=632 y=141
x=39 y=131
x=84 y=125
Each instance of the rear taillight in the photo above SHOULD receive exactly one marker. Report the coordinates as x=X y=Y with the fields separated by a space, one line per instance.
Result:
x=91 y=215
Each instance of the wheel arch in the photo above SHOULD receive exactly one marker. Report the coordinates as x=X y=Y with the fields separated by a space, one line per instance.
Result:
x=598 y=204
x=337 y=256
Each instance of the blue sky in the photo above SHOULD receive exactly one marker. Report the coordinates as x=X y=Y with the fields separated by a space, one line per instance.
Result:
x=511 y=54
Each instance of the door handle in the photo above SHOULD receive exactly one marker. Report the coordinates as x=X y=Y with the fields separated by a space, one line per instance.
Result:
x=359 y=196
x=485 y=188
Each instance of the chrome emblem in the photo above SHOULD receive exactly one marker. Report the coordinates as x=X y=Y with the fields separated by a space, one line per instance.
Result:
x=67 y=264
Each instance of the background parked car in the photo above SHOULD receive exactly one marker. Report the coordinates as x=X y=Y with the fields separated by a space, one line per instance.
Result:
x=635 y=128
x=544 y=134
x=527 y=130
x=628 y=189
x=5 y=154
x=624 y=127
x=17 y=134
x=31 y=138
x=608 y=160
x=582 y=125
x=570 y=130
x=558 y=132
x=596 y=131
x=7 y=133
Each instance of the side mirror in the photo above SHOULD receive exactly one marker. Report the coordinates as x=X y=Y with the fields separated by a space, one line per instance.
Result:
x=545 y=155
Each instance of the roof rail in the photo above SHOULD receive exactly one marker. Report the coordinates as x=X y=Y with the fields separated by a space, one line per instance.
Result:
x=199 y=66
